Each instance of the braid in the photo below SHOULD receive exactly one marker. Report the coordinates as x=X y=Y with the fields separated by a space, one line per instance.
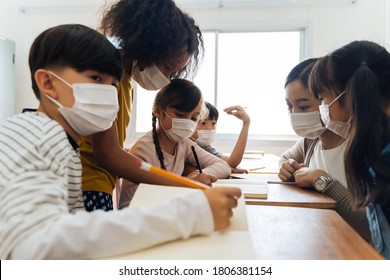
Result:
x=157 y=144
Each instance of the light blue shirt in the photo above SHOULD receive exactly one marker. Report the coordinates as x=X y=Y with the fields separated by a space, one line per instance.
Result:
x=379 y=225
x=380 y=229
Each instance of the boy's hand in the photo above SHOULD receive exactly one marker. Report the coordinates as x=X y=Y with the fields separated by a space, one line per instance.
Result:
x=204 y=178
x=239 y=112
x=222 y=201
x=286 y=171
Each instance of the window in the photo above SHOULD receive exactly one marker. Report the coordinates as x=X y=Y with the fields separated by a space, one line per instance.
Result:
x=241 y=68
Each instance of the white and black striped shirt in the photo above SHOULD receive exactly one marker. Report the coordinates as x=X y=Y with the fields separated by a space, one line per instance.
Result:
x=40 y=193
x=38 y=165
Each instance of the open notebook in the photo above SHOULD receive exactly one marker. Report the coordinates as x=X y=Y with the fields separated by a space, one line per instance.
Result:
x=252 y=189
x=234 y=243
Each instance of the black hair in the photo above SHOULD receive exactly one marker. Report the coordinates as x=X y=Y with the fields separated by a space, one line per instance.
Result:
x=180 y=94
x=154 y=31
x=76 y=46
x=213 y=113
x=362 y=68
x=301 y=72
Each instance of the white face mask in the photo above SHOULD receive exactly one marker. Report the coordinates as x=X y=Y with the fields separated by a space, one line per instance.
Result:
x=339 y=128
x=94 y=109
x=307 y=125
x=151 y=78
x=206 y=137
x=181 y=129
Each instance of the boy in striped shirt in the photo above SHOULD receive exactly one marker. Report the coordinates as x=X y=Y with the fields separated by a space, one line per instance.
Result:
x=74 y=71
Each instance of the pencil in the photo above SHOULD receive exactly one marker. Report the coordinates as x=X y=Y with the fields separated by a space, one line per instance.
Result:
x=196 y=159
x=179 y=179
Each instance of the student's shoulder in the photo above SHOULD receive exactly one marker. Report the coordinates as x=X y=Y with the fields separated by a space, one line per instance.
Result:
x=145 y=140
x=32 y=124
x=186 y=144
x=213 y=151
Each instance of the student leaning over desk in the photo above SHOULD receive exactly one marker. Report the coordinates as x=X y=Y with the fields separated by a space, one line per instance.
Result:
x=319 y=153
x=176 y=110
x=157 y=42
x=74 y=71
x=360 y=71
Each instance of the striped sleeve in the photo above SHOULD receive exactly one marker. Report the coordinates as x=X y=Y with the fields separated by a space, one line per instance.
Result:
x=34 y=174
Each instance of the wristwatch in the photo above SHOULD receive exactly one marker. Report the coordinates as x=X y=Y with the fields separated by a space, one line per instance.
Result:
x=322 y=182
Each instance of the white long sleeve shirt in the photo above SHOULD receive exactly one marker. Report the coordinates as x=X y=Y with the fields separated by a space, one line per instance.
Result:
x=40 y=199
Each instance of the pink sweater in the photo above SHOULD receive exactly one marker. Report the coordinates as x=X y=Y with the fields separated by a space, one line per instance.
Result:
x=145 y=150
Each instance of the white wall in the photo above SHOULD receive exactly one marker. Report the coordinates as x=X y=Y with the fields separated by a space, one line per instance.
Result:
x=330 y=24
x=7 y=78
x=24 y=27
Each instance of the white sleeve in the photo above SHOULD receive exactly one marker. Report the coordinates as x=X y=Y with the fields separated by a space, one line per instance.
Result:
x=101 y=234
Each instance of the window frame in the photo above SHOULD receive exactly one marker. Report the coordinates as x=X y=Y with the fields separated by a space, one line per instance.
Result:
x=225 y=141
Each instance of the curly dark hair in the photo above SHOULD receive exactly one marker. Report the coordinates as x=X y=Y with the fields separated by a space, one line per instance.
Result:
x=152 y=32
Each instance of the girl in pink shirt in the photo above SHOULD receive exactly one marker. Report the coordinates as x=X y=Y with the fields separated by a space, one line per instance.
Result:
x=176 y=111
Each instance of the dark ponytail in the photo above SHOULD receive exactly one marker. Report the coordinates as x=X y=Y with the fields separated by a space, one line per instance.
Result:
x=366 y=141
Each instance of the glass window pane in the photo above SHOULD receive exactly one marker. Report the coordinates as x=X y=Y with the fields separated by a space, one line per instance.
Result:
x=144 y=102
x=205 y=78
x=252 y=68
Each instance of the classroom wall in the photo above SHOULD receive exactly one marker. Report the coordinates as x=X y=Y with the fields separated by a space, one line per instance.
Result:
x=329 y=24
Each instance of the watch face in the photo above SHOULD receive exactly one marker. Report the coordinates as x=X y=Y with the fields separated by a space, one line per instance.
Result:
x=322 y=182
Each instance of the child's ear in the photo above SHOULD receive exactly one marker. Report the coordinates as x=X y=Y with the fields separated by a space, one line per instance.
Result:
x=45 y=82
x=156 y=112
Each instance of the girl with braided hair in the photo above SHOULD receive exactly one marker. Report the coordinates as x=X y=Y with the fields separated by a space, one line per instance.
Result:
x=176 y=110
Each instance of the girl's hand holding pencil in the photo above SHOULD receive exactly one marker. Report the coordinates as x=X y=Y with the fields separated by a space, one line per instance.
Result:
x=204 y=178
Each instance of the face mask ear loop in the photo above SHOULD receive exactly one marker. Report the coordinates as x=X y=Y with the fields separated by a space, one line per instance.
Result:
x=166 y=114
x=337 y=98
x=61 y=79
x=54 y=101
x=159 y=121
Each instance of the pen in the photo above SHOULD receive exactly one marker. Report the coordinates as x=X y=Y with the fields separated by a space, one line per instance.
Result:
x=281 y=182
x=196 y=159
x=179 y=179
x=257 y=168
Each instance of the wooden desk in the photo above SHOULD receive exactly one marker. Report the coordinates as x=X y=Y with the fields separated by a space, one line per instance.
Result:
x=260 y=163
x=274 y=233
x=287 y=195
x=292 y=233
